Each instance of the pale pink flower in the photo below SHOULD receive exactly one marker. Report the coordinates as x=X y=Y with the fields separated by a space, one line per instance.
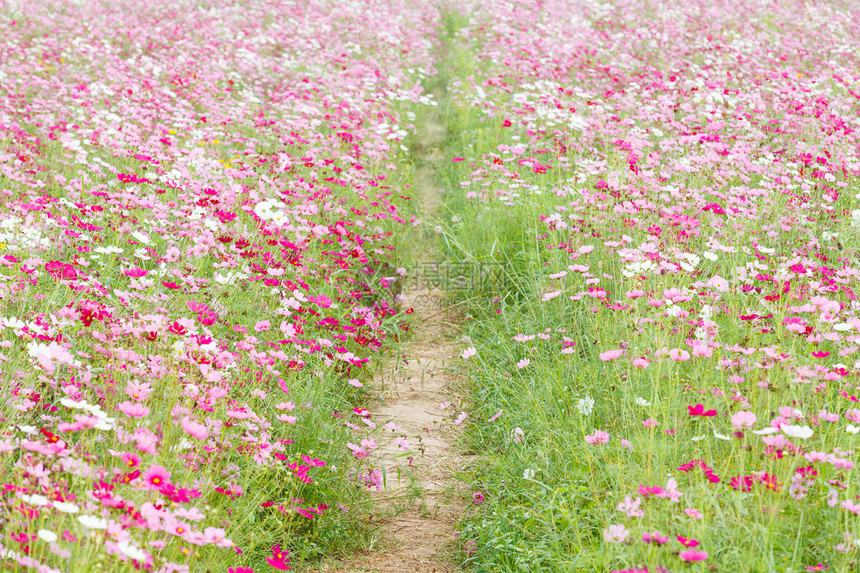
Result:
x=679 y=355
x=518 y=434
x=694 y=513
x=851 y=506
x=828 y=416
x=194 y=429
x=132 y=410
x=640 y=362
x=743 y=419
x=631 y=507
x=611 y=355
x=718 y=283
x=616 y=534
x=598 y=437
x=262 y=326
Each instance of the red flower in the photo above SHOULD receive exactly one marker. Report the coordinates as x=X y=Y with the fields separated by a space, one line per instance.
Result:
x=699 y=410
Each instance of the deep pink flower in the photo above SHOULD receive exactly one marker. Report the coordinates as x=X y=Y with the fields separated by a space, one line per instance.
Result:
x=279 y=559
x=687 y=542
x=699 y=410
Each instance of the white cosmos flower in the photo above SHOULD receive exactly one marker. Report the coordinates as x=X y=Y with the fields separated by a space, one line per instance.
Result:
x=47 y=536
x=852 y=429
x=585 y=406
x=35 y=499
x=131 y=551
x=643 y=402
x=720 y=436
x=66 y=507
x=765 y=431
x=800 y=432
x=698 y=438
x=141 y=237
x=93 y=522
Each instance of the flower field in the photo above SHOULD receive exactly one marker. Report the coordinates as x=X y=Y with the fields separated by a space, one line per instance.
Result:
x=206 y=222
x=200 y=204
x=666 y=372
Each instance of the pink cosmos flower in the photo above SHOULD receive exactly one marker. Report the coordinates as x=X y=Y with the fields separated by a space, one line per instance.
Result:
x=132 y=409
x=640 y=362
x=687 y=542
x=615 y=534
x=262 y=326
x=718 y=283
x=649 y=423
x=691 y=555
x=611 y=355
x=694 y=513
x=828 y=416
x=598 y=437
x=743 y=419
x=655 y=537
x=631 y=507
x=851 y=506
x=194 y=429
x=679 y=355
x=156 y=477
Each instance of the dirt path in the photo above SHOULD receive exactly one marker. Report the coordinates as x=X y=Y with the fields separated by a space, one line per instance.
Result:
x=421 y=496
